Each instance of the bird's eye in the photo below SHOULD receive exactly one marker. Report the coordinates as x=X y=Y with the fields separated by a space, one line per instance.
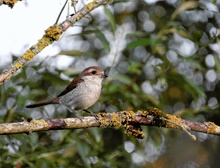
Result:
x=93 y=72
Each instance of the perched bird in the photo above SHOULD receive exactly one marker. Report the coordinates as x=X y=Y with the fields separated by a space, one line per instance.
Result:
x=81 y=93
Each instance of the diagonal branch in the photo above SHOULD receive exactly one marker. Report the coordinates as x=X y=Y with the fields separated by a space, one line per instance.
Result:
x=128 y=120
x=51 y=34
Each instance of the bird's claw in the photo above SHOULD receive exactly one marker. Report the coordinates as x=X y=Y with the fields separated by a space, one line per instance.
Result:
x=92 y=114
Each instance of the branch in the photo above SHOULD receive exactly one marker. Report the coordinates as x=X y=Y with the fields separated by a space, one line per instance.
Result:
x=128 y=120
x=51 y=34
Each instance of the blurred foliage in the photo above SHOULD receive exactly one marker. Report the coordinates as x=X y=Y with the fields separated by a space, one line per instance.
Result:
x=157 y=53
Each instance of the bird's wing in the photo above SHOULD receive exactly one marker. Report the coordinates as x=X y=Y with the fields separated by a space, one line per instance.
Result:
x=71 y=86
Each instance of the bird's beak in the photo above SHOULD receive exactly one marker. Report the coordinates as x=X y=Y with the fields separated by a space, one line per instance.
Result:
x=104 y=76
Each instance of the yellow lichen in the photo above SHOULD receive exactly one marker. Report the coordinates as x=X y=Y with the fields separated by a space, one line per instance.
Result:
x=103 y=119
x=18 y=65
x=211 y=127
x=134 y=131
x=28 y=55
x=10 y=2
x=115 y=119
x=42 y=43
x=121 y=120
x=158 y=115
x=130 y=114
x=39 y=122
x=90 y=5
x=173 y=122
x=53 y=32
x=156 y=112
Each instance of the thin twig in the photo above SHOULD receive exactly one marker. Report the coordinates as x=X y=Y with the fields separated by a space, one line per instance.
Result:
x=61 y=11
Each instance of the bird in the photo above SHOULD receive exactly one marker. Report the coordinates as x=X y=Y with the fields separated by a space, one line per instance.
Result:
x=82 y=92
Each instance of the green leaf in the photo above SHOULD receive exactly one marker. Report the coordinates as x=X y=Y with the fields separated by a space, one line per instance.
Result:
x=103 y=40
x=123 y=79
x=75 y=53
x=217 y=64
x=111 y=18
x=83 y=151
x=196 y=63
x=188 y=85
x=195 y=88
x=140 y=42
x=135 y=68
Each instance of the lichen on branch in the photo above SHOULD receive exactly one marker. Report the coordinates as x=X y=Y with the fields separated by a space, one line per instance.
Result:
x=128 y=120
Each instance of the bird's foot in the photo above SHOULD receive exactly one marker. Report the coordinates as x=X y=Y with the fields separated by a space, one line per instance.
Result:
x=79 y=117
x=91 y=113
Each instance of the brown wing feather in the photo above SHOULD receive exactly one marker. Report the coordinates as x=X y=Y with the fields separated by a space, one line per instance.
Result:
x=71 y=86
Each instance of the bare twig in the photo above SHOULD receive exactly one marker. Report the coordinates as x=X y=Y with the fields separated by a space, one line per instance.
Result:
x=61 y=11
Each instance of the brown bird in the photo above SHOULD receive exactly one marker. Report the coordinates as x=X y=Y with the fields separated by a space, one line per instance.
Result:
x=81 y=93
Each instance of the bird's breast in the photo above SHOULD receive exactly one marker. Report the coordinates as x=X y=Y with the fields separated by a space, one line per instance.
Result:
x=83 y=96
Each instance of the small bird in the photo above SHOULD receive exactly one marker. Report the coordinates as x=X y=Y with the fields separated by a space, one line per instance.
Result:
x=81 y=93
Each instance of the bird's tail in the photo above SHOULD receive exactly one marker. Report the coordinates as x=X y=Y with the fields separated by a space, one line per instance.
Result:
x=43 y=103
